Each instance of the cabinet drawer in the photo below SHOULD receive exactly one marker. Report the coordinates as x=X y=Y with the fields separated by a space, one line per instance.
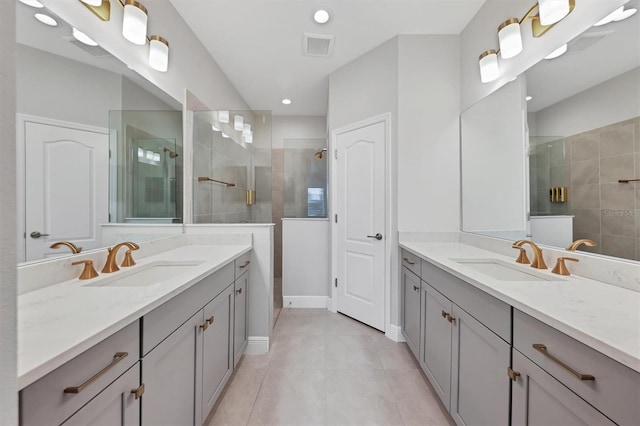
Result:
x=616 y=388
x=493 y=313
x=411 y=261
x=45 y=402
x=166 y=318
x=242 y=264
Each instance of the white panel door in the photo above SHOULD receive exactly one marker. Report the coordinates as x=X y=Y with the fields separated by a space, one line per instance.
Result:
x=66 y=187
x=361 y=204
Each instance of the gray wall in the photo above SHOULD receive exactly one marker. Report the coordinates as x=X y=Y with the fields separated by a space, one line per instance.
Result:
x=8 y=363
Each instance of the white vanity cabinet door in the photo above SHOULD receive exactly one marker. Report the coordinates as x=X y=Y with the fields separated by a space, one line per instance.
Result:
x=115 y=405
x=540 y=400
x=411 y=310
x=172 y=374
x=241 y=311
x=217 y=348
x=479 y=381
x=436 y=346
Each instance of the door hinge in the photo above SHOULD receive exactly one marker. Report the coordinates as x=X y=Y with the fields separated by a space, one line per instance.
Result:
x=336 y=283
x=335 y=153
x=513 y=375
x=336 y=217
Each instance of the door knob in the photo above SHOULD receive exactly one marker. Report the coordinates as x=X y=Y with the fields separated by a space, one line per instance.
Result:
x=36 y=234
x=378 y=236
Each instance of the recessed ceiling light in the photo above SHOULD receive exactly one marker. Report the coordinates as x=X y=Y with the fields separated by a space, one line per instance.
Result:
x=558 y=52
x=46 y=19
x=321 y=16
x=528 y=98
x=627 y=13
x=224 y=135
x=83 y=38
x=32 y=3
x=215 y=127
x=617 y=15
x=286 y=101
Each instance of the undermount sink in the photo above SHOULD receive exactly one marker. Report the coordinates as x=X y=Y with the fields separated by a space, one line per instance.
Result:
x=145 y=275
x=504 y=271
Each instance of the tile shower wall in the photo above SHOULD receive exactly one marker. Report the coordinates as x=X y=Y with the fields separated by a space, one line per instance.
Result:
x=606 y=211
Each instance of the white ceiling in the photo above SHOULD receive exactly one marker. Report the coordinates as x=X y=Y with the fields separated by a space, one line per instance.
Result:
x=258 y=43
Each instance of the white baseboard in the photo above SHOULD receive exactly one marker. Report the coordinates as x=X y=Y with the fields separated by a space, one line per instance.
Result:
x=394 y=332
x=306 y=301
x=257 y=345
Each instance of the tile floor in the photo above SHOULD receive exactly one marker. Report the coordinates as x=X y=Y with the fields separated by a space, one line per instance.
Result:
x=327 y=369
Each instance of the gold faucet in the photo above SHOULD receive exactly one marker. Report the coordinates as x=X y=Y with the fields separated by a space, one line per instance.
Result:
x=561 y=268
x=577 y=243
x=89 y=271
x=538 y=260
x=74 y=248
x=110 y=265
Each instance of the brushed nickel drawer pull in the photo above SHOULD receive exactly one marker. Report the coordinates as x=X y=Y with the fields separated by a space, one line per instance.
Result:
x=210 y=320
x=245 y=264
x=138 y=392
x=119 y=356
x=239 y=291
x=543 y=350
x=406 y=259
x=416 y=288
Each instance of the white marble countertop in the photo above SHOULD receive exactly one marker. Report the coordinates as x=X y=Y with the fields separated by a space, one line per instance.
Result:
x=602 y=316
x=59 y=322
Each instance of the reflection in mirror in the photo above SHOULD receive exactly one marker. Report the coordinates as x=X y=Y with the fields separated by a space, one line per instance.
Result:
x=305 y=178
x=65 y=90
x=583 y=123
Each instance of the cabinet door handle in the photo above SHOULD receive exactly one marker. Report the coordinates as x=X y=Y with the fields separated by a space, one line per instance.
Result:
x=204 y=326
x=245 y=264
x=416 y=288
x=239 y=291
x=138 y=392
x=451 y=319
x=209 y=320
x=444 y=314
x=119 y=356
x=406 y=259
x=513 y=375
x=543 y=350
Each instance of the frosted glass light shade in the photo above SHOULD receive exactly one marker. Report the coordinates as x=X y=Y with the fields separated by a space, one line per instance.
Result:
x=158 y=53
x=238 y=122
x=134 y=22
x=93 y=2
x=489 y=69
x=510 y=38
x=223 y=116
x=246 y=129
x=248 y=138
x=552 y=11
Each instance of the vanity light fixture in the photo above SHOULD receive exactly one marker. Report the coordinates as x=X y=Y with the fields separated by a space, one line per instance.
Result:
x=223 y=116
x=92 y=2
x=321 y=16
x=134 y=22
x=82 y=37
x=238 y=122
x=46 y=19
x=33 y=3
x=510 y=38
x=489 y=69
x=158 y=53
x=543 y=15
x=286 y=101
x=558 y=52
x=248 y=138
x=617 y=15
x=246 y=130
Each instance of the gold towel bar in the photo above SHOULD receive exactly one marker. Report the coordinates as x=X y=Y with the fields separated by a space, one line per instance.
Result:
x=208 y=179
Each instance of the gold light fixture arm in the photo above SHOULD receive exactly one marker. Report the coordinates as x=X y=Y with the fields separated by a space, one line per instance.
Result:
x=537 y=29
x=103 y=12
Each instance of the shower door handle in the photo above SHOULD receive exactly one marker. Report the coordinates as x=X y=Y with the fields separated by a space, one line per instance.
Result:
x=36 y=234
x=378 y=236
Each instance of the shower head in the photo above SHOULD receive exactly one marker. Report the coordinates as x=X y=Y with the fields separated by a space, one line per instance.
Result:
x=320 y=153
x=172 y=154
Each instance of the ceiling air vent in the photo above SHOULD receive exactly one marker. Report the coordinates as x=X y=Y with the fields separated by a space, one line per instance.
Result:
x=586 y=40
x=95 y=51
x=317 y=44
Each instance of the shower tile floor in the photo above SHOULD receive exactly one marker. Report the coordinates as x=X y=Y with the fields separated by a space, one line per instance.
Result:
x=327 y=369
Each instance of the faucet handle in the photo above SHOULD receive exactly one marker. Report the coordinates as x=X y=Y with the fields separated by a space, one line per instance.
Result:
x=89 y=271
x=128 y=259
x=522 y=257
x=561 y=268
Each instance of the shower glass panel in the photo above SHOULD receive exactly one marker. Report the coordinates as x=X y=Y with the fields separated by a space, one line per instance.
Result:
x=548 y=176
x=146 y=166
x=305 y=178
x=231 y=176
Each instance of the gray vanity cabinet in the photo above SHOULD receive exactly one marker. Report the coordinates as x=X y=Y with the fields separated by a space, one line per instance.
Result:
x=411 y=310
x=172 y=374
x=217 y=348
x=479 y=382
x=435 y=356
x=241 y=312
x=539 y=399
x=115 y=405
